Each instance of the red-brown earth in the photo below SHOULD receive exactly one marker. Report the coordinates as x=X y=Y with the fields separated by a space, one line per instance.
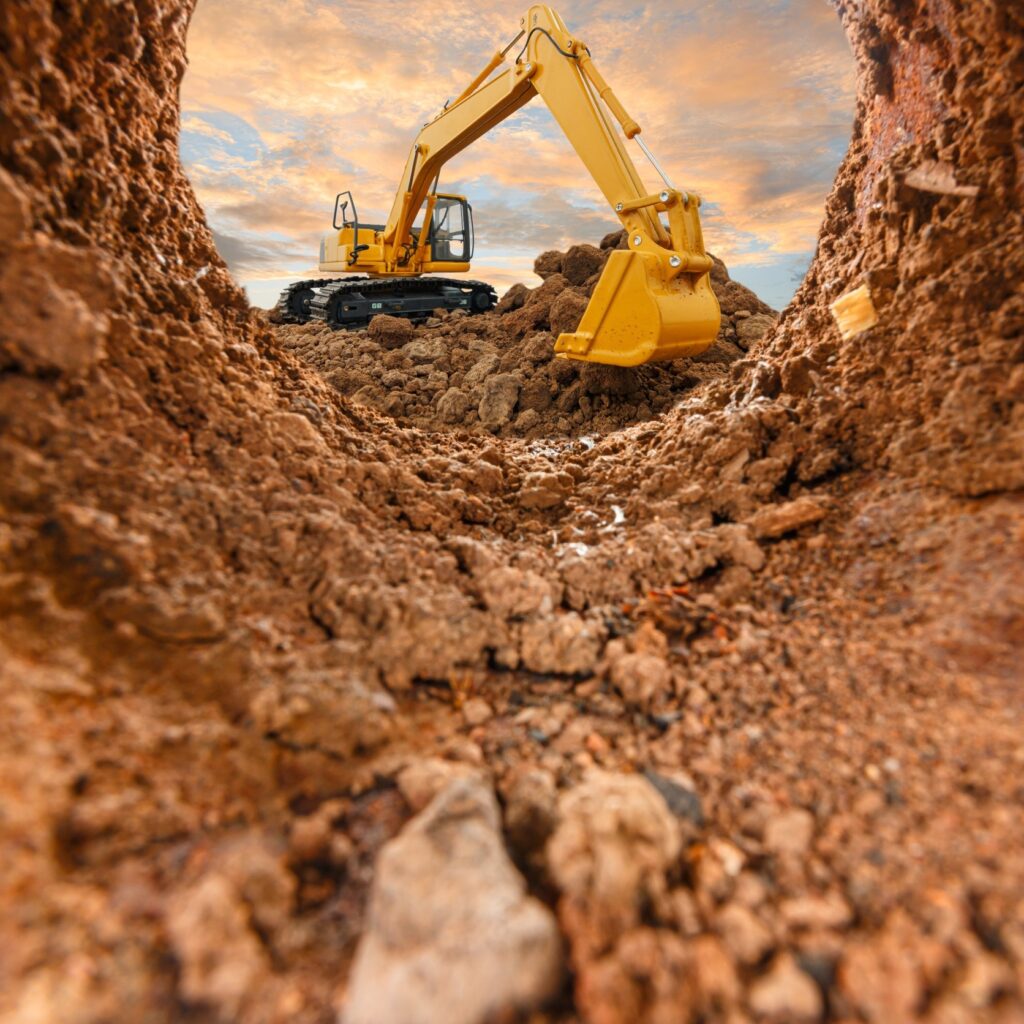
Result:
x=309 y=711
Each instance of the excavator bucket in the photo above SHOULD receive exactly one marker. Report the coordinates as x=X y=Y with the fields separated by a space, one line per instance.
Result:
x=639 y=314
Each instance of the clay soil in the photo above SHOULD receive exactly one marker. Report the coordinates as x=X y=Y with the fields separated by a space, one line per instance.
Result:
x=328 y=694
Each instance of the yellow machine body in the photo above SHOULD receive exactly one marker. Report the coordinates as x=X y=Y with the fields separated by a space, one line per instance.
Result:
x=653 y=302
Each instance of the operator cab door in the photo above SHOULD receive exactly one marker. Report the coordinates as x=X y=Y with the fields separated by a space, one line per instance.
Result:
x=451 y=230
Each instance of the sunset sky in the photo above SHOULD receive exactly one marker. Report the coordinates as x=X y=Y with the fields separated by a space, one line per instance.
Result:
x=287 y=102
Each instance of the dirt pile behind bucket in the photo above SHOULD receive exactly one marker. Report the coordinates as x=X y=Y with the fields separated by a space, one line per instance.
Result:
x=497 y=373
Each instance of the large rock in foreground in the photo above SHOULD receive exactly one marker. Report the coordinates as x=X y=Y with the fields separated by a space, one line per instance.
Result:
x=451 y=935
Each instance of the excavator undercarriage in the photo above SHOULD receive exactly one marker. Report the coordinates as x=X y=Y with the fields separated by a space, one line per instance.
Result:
x=353 y=302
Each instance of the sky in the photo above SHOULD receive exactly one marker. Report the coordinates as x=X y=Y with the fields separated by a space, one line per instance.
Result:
x=287 y=102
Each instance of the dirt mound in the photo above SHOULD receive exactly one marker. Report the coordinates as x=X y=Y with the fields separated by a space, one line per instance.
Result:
x=497 y=373
x=730 y=698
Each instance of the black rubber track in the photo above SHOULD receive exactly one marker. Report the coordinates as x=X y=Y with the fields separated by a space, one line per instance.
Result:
x=353 y=301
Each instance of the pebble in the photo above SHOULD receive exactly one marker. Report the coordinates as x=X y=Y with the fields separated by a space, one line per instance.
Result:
x=786 y=993
x=789 y=832
x=476 y=711
x=745 y=936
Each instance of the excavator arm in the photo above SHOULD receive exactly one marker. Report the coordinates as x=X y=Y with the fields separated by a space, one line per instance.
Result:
x=654 y=299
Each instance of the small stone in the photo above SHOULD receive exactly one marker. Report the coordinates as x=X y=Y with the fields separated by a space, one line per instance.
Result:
x=500 y=394
x=746 y=937
x=531 y=810
x=562 y=645
x=776 y=520
x=789 y=832
x=221 y=958
x=476 y=711
x=422 y=780
x=483 y=368
x=545 y=490
x=680 y=795
x=390 y=332
x=641 y=678
x=814 y=912
x=786 y=993
x=309 y=838
x=452 y=406
x=614 y=843
x=717 y=982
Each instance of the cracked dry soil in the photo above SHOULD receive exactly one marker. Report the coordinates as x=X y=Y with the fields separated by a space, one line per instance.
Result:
x=702 y=712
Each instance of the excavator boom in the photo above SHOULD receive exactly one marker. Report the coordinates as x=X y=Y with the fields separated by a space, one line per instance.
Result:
x=653 y=300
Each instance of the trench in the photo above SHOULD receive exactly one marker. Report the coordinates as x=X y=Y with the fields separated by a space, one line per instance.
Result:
x=806 y=616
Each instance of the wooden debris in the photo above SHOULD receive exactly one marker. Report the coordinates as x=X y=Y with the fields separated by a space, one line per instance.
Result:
x=855 y=312
x=940 y=178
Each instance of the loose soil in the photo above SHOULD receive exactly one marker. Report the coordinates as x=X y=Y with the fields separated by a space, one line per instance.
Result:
x=497 y=373
x=703 y=706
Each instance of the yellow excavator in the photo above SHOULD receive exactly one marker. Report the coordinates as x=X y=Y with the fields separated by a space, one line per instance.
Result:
x=653 y=301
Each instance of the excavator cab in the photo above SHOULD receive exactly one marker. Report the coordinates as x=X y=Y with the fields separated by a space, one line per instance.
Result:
x=451 y=230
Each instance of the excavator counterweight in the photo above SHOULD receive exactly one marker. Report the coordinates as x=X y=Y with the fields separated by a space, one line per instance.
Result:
x=653 y=301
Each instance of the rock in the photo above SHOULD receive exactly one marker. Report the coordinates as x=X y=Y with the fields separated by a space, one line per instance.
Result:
x=776 y=520
x=421 y=781
x=423 y=351
x=481 y=370
x=739 y=546
x=527 y=420
x=718 y=985
x=221 y=959
x=745 y=936
x=566 y=312
x=293 y=432
x=582 y=262
x=679 y=794
x=531 y=810
x=881 y=977
x=641 y=679
x=561 y=644
x=545 y=490
x=453 y=405
x=615 y=841
x=501 y=393
x=786 y=993
x=753 y=328
x=476 y=711
x=512 y=299
x=547 y=264
x=451 y=935
x=390 y=331
x=309 y=838
x=817 y=912
x=616 y=240
x=513 y=593
x=789 y=832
